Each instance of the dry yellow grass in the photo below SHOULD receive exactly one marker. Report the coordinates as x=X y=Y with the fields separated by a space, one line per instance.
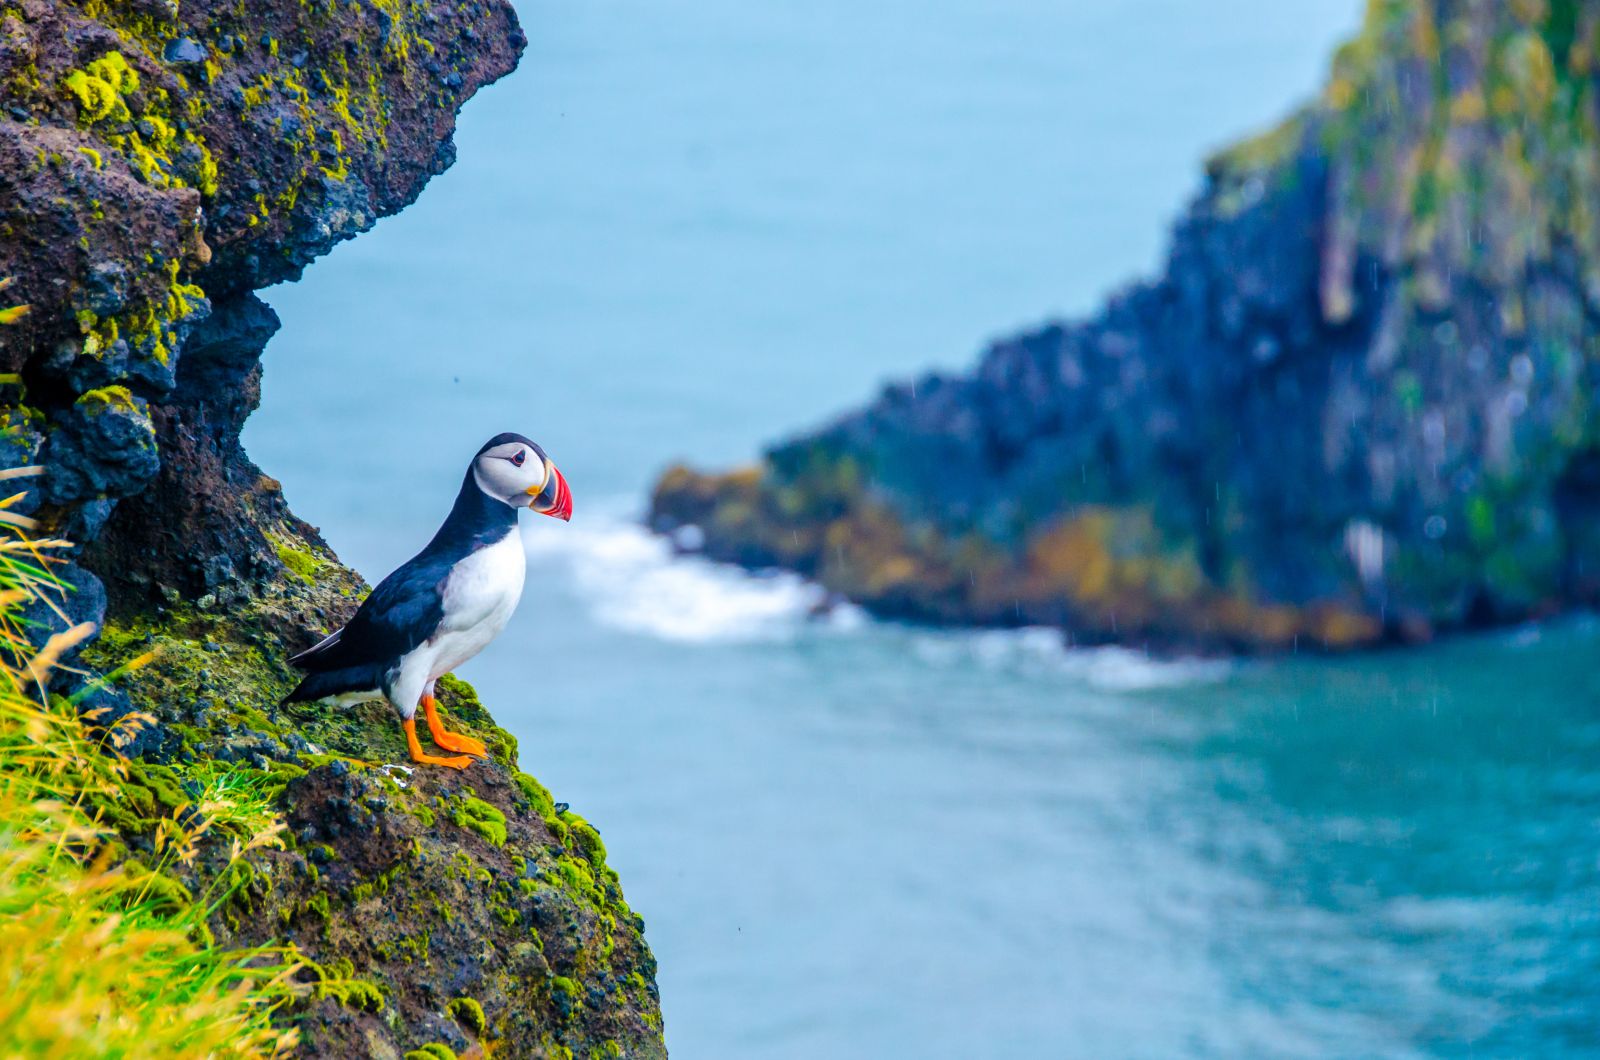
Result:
x=107 y=959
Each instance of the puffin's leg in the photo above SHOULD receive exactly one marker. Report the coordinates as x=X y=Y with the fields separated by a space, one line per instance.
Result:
x=450 y=741
x=454 y=762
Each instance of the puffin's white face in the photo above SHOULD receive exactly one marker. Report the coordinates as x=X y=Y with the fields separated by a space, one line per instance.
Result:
x=519 y=474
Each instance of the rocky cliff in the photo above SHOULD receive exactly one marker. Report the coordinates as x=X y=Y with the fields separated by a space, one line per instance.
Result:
x=159 y=162
x=1357 y=405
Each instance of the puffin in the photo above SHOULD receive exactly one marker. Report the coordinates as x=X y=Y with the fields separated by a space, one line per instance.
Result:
x=445 y=604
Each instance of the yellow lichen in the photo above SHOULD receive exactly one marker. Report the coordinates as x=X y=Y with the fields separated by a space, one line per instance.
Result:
x=107 y=397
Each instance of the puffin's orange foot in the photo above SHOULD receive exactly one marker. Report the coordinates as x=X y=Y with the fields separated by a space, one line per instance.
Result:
x=455 y=741
x=453 y=762
x=450 y=741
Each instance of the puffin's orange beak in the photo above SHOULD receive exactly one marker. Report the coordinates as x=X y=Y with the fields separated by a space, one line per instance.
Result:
x=554 y=498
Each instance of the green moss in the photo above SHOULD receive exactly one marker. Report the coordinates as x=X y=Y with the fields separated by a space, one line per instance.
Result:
x=432 y=1051
x=460 y=700
x=161 y=892
x=469 y=1014
x=539 y=798
x=337 y=980
x=576 y=877
x=300 y=562
x=588 y=840
x=478 y=816
x=149 y=792
x=353 y=994
x=374 y=888
x=558 y=829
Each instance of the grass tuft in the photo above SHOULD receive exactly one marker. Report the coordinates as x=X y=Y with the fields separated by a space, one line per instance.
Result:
x=105 y=957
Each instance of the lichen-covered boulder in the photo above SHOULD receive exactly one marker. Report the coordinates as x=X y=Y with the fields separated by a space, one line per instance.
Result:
x=103 y=446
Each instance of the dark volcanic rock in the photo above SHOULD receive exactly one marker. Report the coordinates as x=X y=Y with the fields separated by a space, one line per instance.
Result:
x=102 y=446
x=506 y=916
x=159 y=163
x=1358 y=404
x=208 y=519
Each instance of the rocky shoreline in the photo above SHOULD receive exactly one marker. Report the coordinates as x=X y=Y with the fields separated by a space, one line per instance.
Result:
x=159 y=163
x=1357 y=406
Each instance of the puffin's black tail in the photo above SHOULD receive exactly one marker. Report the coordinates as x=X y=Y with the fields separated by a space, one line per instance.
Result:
x=315 y=686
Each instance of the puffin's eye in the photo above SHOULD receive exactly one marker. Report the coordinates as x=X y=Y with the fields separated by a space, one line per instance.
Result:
x=522 y=455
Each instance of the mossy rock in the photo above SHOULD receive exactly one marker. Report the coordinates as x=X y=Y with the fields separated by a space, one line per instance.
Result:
x=400 y=883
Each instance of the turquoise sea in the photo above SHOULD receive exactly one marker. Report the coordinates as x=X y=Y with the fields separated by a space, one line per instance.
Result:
x=682 y=230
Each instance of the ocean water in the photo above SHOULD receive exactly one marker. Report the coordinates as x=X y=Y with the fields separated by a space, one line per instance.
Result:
x=681 y=230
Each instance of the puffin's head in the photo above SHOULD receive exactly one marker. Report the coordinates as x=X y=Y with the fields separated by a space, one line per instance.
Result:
x=512 y=469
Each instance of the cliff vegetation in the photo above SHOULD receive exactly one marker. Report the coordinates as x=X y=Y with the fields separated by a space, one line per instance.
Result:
x=255 y=881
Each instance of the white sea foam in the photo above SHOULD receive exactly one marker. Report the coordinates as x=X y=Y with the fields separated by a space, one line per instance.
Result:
x=635 y=581
x=638 y=582
x=1044 y=651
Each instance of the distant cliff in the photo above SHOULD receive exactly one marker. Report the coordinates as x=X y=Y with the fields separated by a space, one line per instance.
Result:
x=159 y=162
x=1358 y=405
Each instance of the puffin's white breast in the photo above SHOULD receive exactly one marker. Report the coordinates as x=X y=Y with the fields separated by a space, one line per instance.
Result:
x=479 y=597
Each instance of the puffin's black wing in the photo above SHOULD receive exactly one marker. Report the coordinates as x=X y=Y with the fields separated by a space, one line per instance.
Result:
x=402 y=612
x=306 y=660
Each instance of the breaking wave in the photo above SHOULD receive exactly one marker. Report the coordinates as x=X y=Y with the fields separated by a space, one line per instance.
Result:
x=1043 y=652
x=632 y=580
